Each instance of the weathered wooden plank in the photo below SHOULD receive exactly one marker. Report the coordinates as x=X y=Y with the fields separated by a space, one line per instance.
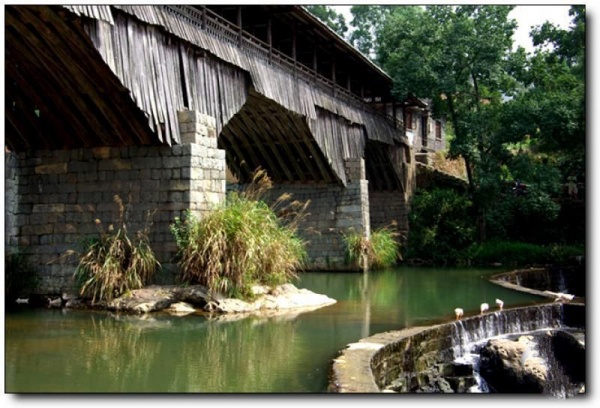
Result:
x=94 y=102
x=41 y=45
x=221 y=46
x=286 y=136
x=248 y=132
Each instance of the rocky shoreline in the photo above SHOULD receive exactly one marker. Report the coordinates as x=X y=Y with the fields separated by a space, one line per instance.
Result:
x=184 y=300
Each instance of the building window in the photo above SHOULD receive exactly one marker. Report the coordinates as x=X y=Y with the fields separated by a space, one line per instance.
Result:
x=438 y=130
x=409 y=120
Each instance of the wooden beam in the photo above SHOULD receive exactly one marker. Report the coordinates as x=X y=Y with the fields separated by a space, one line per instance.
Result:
x=314 y=63
x=280 y=133
x=254 y=131
x=239 y=24
x=294 y=38
x=245 y=172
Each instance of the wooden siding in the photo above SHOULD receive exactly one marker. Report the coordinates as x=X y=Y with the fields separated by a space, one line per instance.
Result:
x=338 y=138
x=294 y=93
x=98 y=12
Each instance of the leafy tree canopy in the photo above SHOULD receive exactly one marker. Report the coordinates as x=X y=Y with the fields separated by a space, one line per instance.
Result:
x=515 y=116
x=326 y=14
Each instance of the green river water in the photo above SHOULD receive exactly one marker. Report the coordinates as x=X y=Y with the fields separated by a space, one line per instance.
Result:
x=74 y=351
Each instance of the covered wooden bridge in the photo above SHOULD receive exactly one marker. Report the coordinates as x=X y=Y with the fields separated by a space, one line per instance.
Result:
x=93 y=92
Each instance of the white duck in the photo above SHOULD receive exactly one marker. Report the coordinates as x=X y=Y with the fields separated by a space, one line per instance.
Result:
x=499 y=303
x=563 y=297
x=55 y=302
x=484 y=307
x=459 y=313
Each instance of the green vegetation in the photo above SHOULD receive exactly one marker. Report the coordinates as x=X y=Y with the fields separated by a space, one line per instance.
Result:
x=113 y=263
x=522 y=253
x=382 y=250
x=19 y=276
x=243 y=243
x=327 y=15
x=516 y=118
x=442 y=227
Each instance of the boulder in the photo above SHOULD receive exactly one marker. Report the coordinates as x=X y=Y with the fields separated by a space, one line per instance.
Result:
x=180 y=309
x=551 y=362
x=512 y=366
x=149 y=299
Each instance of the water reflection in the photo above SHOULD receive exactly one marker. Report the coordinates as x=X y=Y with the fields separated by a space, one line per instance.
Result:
x=82 y=351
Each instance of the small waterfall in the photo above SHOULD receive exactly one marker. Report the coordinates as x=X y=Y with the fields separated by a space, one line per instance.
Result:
x=470 y=335
x=562 y=285
x=520 y=320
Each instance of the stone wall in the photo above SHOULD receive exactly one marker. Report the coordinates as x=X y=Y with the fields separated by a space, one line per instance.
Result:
x=10 y=200
x=387 y=208
x=62 y=195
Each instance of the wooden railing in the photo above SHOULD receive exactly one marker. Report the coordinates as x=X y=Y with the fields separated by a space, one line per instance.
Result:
x=226 y=31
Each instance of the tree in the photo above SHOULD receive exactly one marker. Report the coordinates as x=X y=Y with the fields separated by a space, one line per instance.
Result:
x=326 y=14
x=456 y=56
x=553 y=95
x=367 y=22
x=516 y=117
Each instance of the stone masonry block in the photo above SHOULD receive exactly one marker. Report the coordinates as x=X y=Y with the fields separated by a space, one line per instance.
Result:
x=48 y=208
x=57 y=168
x=101 y=152
x=355 y=169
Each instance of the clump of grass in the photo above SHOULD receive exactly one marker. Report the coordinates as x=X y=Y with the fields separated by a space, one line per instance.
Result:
x=386 y=249
x=359 y=249
x=243 y=243
x=113 y=263
x=380 y=251
x=19 y=275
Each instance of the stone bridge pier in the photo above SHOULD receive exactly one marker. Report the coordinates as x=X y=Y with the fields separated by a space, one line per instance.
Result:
x=334 y=211
x=55 y=199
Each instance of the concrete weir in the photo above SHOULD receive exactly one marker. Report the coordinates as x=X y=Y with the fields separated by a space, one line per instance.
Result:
x=371 y=364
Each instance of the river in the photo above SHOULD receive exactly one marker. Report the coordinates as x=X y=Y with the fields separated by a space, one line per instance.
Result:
x=76 y=351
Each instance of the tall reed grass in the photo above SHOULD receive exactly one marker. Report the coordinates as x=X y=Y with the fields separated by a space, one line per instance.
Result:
x=113 y=263
x=381 y=250
x=243 y=243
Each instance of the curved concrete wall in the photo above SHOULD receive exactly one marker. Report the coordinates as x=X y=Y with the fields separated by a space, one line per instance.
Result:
x=374 y=362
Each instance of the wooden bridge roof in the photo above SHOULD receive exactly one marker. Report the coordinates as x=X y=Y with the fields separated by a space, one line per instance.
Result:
x=73 y=80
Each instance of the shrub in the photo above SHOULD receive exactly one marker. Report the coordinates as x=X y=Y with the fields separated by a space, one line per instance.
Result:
x=386 y=249
x=508 y=253
x=442 y=227
x=522 y=253
x=382 y=250
x=19 y=275
x=242 y=243
x=113 y=263
x=359 y=249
